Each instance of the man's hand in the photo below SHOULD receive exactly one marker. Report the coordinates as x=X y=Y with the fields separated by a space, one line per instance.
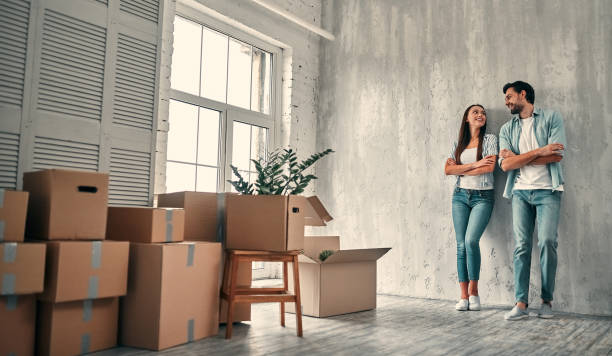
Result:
x=505 y=153
x=488 y=160
x=551 y=149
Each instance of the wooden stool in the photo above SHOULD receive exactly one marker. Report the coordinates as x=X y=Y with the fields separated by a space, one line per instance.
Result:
x=261 y=295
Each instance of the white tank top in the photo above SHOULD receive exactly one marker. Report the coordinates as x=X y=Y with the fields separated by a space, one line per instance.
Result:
x=471 y=182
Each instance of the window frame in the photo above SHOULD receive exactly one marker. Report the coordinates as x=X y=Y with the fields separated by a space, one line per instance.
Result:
x=229 y=113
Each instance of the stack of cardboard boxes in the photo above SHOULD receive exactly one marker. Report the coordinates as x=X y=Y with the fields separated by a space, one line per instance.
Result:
x=205 y=221
x=172 y=293
x=79 y=308
x=22 y=268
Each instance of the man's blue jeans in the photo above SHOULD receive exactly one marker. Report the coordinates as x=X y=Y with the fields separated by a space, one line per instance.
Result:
x=529 y=206
x=471 y=213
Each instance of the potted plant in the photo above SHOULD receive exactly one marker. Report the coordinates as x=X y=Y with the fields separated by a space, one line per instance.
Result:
x=269 y=214
x=278 y=174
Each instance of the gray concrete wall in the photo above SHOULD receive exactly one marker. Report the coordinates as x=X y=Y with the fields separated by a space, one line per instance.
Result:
x=393 y=87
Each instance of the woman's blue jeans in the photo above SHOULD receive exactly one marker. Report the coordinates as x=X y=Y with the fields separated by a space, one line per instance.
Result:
x=471 y=213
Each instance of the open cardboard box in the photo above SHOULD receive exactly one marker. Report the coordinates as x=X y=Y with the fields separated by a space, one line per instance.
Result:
x=271 y=222
x=344 y=283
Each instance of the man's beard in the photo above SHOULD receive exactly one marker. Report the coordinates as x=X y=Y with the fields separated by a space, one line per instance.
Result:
x=516 y=109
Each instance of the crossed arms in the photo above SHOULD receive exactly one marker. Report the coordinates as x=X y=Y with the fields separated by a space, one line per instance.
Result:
x=485 y=165
x=543 y=155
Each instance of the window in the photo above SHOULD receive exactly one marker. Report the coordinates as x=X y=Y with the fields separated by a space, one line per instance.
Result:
x=222 y=104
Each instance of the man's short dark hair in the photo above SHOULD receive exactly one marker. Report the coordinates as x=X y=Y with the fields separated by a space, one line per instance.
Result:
x=519 y=86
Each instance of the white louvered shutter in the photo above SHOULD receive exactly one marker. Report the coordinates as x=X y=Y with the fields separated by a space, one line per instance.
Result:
x=9 y=157
x=129 y=177
x=72 y=66
x=53 y=153
x=14 y=20
x=87 y=92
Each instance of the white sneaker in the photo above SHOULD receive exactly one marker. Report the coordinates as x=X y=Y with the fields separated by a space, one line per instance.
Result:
x=462 y=305
x=474 y=302
x=545 y=311
x=516 y=314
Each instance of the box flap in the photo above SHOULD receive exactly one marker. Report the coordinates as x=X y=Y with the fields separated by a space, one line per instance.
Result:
x=317 y=215
x=313 y=245
x=366 y=254
x=305 y=259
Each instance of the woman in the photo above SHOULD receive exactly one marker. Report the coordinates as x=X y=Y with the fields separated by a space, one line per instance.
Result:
x=472 y=161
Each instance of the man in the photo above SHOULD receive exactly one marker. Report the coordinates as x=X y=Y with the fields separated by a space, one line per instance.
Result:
x=531 y=147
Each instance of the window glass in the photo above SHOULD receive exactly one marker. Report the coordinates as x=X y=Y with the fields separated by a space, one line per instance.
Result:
x=180 y=177
x=207 y=179
x=208 y=137
x=239 y=74
x=186 y=56
x=214 y=65
x=182 y=133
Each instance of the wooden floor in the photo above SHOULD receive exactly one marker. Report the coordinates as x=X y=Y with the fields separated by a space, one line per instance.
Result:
x=405 y=326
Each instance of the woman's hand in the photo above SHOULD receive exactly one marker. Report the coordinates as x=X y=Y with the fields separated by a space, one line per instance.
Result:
x=486 y=161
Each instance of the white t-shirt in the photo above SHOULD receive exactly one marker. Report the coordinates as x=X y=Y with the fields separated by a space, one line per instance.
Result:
x=532 y=176
x=471 y=182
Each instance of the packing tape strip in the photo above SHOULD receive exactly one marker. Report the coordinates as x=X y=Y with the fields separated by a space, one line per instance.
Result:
x=169 y=227
x=190 y=326
x=92 y=288
x=10 y=252
x=2 y=198
x=85 y=342
x=87 y=309
x=221 y=220
x=11 y=302
x=96 y=254
x=190 y=253
x=8 y=283
x=2 y=224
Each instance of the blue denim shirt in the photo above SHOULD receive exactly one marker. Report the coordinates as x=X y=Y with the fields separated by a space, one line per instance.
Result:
x=489 y=147
x=548 y=127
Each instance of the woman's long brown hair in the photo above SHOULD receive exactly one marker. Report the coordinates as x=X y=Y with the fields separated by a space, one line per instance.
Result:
x=465 y=136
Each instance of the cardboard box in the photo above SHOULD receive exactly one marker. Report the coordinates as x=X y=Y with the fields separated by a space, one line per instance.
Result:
x=78 y=327
x=271 y=222
x=17 y=328
x=22 y=268
x=77 y=270
x=140 y=224
x=13 y=210
x=344 y=283
x=66 y=205
x=202 y=213
x=173 y=294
